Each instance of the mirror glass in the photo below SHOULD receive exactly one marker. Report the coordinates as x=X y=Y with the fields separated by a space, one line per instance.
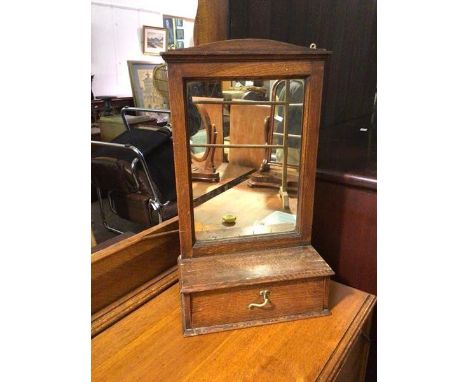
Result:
x=245 y=145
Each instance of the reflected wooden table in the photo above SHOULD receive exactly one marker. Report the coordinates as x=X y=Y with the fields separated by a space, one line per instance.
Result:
x=258 y=210
x=229 y=176
x=148 y=345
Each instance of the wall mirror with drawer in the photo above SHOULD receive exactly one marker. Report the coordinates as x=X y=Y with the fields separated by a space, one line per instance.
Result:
x=249 y=107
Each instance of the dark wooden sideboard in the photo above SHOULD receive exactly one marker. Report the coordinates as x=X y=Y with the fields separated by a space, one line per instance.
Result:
x=344 y=230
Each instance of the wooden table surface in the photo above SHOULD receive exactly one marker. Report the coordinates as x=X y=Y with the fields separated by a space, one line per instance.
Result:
x=148 y=345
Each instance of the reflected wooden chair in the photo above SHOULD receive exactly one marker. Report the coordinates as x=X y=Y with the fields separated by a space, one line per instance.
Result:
x=247 y=126
x=204 y=164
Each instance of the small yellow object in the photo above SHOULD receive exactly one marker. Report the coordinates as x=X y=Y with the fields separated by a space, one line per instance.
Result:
x=228 y=218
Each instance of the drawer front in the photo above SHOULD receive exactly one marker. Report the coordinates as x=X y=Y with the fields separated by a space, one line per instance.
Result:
x=232 y=305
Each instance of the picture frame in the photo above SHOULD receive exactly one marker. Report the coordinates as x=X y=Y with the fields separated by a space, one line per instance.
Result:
x=145 y=95
x=154 y=40
x=179 y=34
x=179 y=22
x=180 y=44
x=168 y=22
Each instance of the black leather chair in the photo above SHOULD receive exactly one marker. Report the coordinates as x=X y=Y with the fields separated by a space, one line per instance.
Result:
x=136 y=173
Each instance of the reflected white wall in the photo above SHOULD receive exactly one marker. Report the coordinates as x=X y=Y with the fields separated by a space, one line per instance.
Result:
x=116 y=37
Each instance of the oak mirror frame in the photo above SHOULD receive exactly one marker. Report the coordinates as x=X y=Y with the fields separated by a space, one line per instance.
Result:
x=262 y=199
x=182 y=72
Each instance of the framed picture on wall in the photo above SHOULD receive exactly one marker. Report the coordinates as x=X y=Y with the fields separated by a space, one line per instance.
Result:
x=154 y=40
x=179 y=34
x=144 y=93
x=169 y=25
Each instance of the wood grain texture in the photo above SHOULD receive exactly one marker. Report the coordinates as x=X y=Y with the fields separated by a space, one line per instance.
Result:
x=312 y=70
x=120 y=268
x=112 y=313
x=217 y=307
x=237 y=59
x=250 y=268
x=148 y=344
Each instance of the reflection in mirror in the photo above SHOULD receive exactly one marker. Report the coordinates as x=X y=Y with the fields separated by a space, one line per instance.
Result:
x=133 y=175
x=245 y=143
x=202 y=130
x=126 y=199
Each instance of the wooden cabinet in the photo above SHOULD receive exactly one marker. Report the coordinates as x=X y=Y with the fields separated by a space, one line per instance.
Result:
x=265 y=253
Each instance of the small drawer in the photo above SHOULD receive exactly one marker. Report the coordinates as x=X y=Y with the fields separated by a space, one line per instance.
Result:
x=231 y=305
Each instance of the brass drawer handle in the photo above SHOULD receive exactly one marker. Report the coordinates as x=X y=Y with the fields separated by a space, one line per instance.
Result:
x=264 y=294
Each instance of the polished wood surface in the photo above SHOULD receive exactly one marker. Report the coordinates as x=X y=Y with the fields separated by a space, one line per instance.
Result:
x=345 y=226
x=345 y=232
x=126 y=265
x=246 y=49
x=287 y=300
x=123 y=306
x=148 y=345
x=216 y=290
x=265 y=266
x=111 y=241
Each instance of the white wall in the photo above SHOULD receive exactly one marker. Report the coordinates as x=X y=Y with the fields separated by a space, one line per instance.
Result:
x=116 y=37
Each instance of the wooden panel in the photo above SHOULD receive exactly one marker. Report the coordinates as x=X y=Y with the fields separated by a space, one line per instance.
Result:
x=125 y=266
x=112 y=313
x=149 y=343
x=257 y=267
x=231 y=305
x=354 y=368
x=248 y=126
x=345 y=232
x=242 y=50
x=211 y=21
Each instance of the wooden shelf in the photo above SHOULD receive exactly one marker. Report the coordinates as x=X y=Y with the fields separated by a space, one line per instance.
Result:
x=214 y=272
